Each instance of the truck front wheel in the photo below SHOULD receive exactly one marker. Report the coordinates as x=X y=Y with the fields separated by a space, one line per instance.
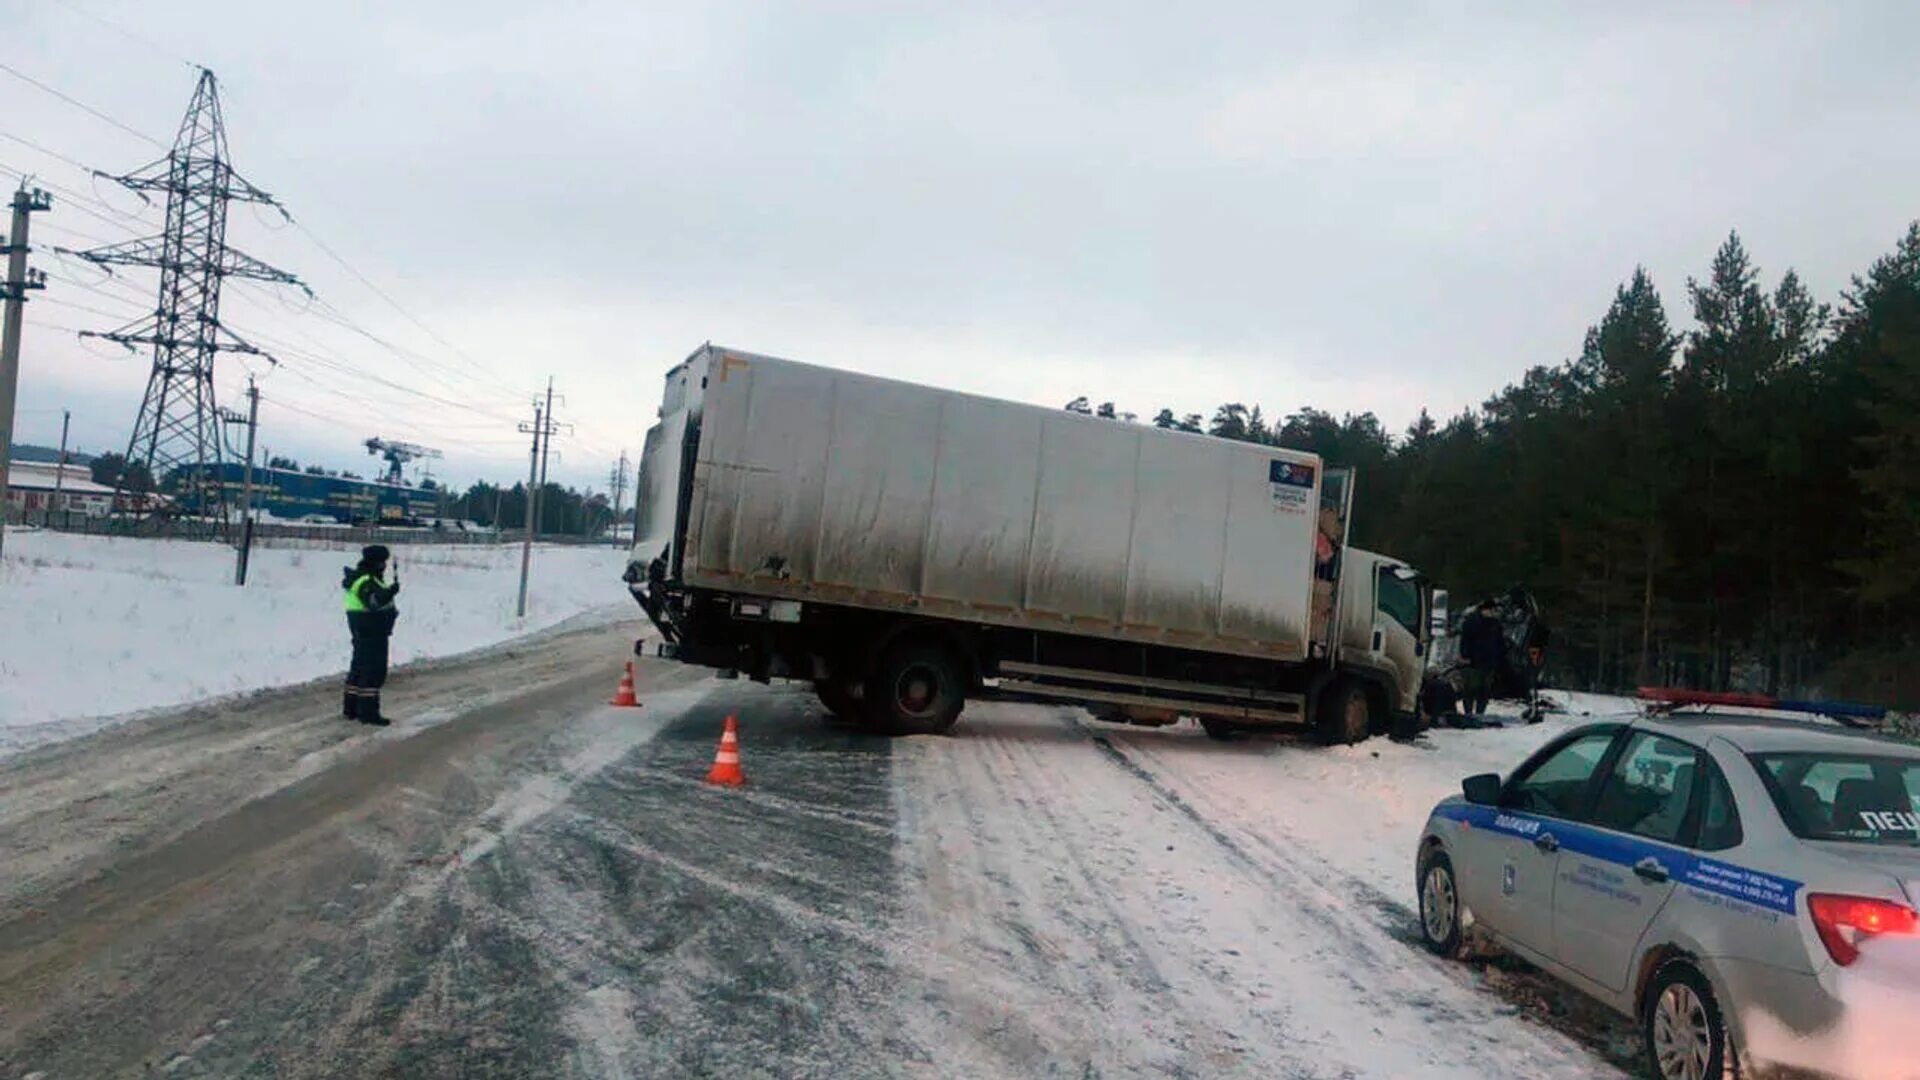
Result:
x=916 y=689
x=1345 y=714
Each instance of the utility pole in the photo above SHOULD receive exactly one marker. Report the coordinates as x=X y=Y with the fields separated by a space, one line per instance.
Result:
x=542 y=429
x=533 y=474
x=244 y=549
x=60 y=463
x=14 y=292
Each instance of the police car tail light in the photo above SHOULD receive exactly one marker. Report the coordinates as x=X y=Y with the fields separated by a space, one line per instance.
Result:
x=1843 y=922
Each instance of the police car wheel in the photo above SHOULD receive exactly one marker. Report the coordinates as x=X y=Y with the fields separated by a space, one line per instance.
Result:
x=1685 y=1034
x=1440 y=923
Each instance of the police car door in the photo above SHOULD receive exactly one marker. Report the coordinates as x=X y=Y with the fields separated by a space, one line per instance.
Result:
x=1616 y=875
x=1510 y=861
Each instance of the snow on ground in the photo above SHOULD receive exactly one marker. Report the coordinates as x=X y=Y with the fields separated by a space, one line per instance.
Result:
x=95 y=627
x=1359 y=806
x=1241 y=908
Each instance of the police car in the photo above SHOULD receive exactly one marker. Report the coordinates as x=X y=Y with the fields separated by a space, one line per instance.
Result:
x=1743 y=886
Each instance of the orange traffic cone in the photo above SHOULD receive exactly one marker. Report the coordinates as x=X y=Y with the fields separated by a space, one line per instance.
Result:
x=624 y=696
x=726 y=761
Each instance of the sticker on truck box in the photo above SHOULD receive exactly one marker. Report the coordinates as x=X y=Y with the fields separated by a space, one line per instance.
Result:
x=1292 y=485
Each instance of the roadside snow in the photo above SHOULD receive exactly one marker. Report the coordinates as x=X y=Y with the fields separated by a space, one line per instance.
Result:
x=1358 y=807
x=92 y=628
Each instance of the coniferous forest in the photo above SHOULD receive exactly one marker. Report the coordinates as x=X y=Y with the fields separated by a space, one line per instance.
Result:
x=1735 y=505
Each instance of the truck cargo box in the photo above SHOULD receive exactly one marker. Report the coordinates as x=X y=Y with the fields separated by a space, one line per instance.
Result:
x=791 y=481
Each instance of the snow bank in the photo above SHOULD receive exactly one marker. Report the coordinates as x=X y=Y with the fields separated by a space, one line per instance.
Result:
x=92 y=627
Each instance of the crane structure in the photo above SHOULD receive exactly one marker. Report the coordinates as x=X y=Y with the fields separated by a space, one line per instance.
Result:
x=398 y=454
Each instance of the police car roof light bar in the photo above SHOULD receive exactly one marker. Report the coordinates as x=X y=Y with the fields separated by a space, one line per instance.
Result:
x=1667 y=698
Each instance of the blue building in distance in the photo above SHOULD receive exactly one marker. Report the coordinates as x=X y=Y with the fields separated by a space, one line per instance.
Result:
x=285 y=493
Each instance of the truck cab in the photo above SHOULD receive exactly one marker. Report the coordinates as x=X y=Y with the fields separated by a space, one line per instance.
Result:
x=1385 y=625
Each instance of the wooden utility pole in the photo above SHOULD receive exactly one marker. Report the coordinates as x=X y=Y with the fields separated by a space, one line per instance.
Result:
x=533 y=474
x=14 y=292
x=246 y=486
x=60 y=463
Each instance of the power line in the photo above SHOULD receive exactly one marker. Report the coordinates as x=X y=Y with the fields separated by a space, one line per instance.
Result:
x=128 y=34
x=427 y=366
x=78 y=201
x=31 y=145
x=347 y=368
x=58 y=302
x=381 y=293
x=76 y=234
x=81 y=105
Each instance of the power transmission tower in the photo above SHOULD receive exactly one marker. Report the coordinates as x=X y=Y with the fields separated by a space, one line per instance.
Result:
x=177 y=435
x=618 y=482
x=20 y=281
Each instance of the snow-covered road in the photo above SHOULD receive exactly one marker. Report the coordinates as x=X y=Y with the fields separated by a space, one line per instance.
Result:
x=519 y=881
x=1151 y=901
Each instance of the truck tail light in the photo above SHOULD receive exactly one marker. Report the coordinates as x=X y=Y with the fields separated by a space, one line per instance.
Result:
x=1845 y=921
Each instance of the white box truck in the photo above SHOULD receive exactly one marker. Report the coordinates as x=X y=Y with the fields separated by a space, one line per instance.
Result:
x=905 y=549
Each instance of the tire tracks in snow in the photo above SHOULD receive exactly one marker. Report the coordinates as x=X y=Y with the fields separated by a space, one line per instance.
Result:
x=1152 y=936
x=1524 y=991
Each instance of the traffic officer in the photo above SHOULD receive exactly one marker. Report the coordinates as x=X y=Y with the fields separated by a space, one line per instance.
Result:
x=370 y=617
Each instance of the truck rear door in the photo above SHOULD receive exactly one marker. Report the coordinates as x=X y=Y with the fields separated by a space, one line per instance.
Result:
x=1330 y=557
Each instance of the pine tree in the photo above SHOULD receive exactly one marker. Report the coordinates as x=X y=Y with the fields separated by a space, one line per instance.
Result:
x=1880 y=334
x=1229 y=422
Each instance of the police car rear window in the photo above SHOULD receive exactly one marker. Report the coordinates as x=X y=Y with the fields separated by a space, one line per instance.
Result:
x=1853 y=798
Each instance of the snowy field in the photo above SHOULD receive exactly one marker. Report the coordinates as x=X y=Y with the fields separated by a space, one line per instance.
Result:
x=93 y=628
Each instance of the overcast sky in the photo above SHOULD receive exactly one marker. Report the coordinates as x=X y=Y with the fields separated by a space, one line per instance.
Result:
x=1162 y=205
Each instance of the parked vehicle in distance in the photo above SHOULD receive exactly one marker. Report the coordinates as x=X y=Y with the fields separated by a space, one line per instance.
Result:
x=1744 y=886
x=906 y=548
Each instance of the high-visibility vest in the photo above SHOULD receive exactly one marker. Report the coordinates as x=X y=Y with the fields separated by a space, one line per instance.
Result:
x=354 y=603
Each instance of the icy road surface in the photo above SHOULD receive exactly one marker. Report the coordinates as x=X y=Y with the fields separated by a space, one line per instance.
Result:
x=520 y=881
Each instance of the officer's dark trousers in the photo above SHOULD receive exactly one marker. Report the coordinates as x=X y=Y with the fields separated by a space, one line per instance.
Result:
x=367 y=671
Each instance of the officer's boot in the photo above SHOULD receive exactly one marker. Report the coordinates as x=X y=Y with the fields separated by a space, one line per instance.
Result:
x=370 y=709
x=350 y=704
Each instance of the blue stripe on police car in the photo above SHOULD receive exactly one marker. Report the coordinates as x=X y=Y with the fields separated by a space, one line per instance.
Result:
x=1769 y=891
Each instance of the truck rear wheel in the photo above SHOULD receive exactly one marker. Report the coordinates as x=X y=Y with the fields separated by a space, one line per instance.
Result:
x=1217 y=728
x=916 y=689
x=838 y=702
x=1345 y=714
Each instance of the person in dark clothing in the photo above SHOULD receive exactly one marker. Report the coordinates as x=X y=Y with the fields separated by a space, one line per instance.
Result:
x=370 y=617
x=1483 y=648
